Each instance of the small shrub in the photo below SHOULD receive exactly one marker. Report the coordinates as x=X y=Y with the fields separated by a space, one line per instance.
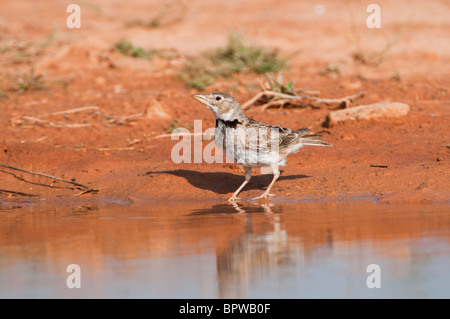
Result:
x=176 y=124
x=30 y=82
x=3 y=95
x=127 y=48
x=235 y=57
x=331 y=68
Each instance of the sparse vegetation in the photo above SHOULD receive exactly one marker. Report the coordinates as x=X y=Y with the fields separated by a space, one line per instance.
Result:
x=371 y=57
x=235 y=57
x=176 y=124
x=274 y=93
x=331 y=68
x=92 y=7
x=395 y=76
x=30 y=82
x=19 y=50
x=127 y=48
x=3 y=95
x=277 y=85
x=3 y=47
x=169 y=13
x=51 y=38
x=197 y=74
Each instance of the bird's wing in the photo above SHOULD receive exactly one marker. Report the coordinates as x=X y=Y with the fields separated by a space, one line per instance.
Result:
x=262 y=137
x=287 y=137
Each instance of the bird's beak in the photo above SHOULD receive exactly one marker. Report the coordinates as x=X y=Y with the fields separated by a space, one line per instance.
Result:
x=202 y=98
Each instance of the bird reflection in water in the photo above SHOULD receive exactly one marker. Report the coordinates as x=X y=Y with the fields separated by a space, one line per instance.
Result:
x=263 y=247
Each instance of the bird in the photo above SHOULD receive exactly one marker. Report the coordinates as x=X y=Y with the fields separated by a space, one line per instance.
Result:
x=251 y=143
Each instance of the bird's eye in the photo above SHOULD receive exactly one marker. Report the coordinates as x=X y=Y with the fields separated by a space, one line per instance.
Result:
x=218 y=98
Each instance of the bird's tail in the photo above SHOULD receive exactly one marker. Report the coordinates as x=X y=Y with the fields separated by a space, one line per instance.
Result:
x=311 y=140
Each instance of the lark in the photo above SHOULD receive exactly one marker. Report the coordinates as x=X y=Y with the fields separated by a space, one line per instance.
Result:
x=251 y=143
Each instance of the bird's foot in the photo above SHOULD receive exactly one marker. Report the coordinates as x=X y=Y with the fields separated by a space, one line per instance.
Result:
x=232 y=199
x=264 y=196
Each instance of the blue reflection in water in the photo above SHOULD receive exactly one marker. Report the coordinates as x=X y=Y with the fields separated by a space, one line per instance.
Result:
x=296 y=250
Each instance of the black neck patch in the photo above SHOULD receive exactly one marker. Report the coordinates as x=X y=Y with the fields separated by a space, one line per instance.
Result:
x=230 y=124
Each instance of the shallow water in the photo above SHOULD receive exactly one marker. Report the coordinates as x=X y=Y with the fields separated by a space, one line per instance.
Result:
x=192 y=250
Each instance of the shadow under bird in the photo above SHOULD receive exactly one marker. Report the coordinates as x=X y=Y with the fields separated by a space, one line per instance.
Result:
x=251 y=143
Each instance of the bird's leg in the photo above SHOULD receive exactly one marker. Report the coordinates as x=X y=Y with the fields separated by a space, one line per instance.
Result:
x=276 y=174
x=248 y=175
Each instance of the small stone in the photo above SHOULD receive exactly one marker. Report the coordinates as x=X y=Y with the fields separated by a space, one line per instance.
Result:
x=100 y=80
x=347 y=136
x=368 y=112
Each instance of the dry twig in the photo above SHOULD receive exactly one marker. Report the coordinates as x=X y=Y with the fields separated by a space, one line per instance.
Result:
x=281 y=99
x=86 y=189
x=76 y=110
x=17 y=193
x=38 y=120
x=379 y=166
x=34 y=183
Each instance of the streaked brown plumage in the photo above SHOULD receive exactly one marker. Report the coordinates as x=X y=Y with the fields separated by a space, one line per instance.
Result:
x=251 y=143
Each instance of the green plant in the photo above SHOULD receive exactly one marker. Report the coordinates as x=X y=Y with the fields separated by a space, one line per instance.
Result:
x=235 y=57
x=169 y=13
x=51 y=38
x=3 y=47
x=331 y=68
x=30 y=82
x=197 y=75
x=127 y=48
x=395 y=76
x=277 y=85
x=176 y=124
x=3 y=95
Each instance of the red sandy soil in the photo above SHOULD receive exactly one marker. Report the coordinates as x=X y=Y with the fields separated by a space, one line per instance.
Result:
x=125 y=162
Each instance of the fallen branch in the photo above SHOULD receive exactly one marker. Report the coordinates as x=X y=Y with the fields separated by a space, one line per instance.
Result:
x=347 y=99
x=51 y=124
x=268 y=93
x=76 y=110
x=379 y=166
x=281 y=99
x=86 y=189
x=29 y=121
x=281 y=103
x=34 y=183
x=17 y=193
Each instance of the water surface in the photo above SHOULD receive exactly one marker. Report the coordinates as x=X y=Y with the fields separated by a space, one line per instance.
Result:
x=197 y=250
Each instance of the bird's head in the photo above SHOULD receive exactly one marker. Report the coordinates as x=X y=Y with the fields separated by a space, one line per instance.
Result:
x=224 y=106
